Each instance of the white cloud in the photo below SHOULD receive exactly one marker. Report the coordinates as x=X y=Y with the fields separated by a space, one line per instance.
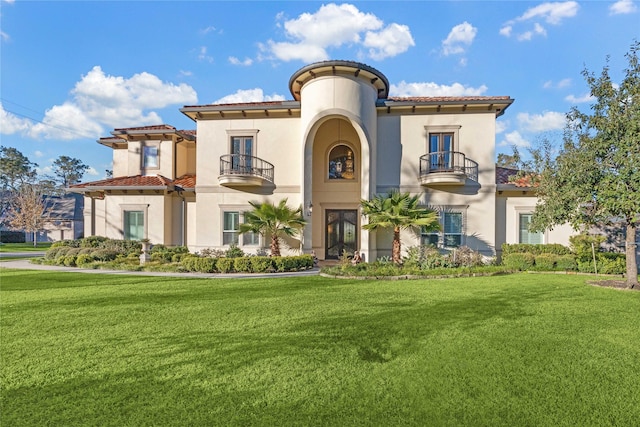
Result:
x=514 y=139
x=4 y=36
x=391 y=41
x=10 y=123
x=208 y=30
x=404 y=89
x=547 y=121
x=622 y=7
x=100 y=100
x=559 y=85
x=460 y=37
x=186 y=73
x=249 y=95
x=38 y=154
x=580 y=99
x=549 y=12
x=235 y=61
x=92 y=171
x=501 y=126
x=203 y=55
x=310 y=35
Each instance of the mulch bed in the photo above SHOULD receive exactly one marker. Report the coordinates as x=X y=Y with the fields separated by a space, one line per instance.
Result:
x=617 y=284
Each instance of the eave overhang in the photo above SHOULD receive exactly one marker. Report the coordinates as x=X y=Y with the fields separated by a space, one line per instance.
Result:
x=243 y=110
x=495 y=104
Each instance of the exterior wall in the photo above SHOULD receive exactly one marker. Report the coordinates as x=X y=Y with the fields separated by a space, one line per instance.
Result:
x=185 y=159
x=120 y=162
x=276 y=141
x=509 y=206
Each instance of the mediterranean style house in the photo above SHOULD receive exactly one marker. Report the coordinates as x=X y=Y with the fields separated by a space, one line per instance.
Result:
x=341 y=139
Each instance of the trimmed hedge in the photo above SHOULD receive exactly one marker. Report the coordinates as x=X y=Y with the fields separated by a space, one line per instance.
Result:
x=519 y=261
x=553 y=248
x=12 y=237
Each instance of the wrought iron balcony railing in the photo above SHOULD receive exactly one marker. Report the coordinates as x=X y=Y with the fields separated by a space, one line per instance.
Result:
x=248 y=166
x=452 y=162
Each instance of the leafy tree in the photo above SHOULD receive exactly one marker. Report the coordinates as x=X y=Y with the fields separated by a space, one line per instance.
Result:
x=595 y=177
x=27 y=210
x=272 y=220
x=68 y=170
x=398 y=211
x=508 y=160
x=15 y=168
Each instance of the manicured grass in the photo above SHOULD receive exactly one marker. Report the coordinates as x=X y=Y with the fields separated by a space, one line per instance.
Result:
x=24 y=247
x=90 y=349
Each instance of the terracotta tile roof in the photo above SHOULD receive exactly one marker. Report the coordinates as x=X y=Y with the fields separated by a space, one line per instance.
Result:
x=508 y=176
x=188 y=132
x=447 y=98
x=152 y=127
x=240 y=104
x=140 y=181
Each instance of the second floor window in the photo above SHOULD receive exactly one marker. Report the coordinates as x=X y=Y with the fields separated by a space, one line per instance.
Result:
x=440 y=147
x=150 y=156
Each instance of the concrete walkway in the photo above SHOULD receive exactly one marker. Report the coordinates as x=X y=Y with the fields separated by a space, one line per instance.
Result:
x=25 y=264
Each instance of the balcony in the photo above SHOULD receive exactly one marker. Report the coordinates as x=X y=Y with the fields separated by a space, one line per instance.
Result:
x=447 y=168
x=239 y=170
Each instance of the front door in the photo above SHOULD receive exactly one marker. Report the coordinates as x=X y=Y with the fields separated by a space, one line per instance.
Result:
x=341 y=232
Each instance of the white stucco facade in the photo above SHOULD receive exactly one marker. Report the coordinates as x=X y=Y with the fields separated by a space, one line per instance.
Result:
x=340 y=140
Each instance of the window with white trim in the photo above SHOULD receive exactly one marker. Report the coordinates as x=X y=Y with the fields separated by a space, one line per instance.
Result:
x=231 y=231
x=150 y=157
x=133 y=225
x=526 y=236
x=451 y=234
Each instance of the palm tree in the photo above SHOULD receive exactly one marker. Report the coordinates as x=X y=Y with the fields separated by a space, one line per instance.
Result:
x=275 y=221
x=398 y=211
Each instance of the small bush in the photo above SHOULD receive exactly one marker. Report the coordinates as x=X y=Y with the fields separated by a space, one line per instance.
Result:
x=12 y=237
x=225 y=265
x=546 y=262
x=519 y=261
x=234 y=252
x=69 y=260
x=104 y=254
x=262 y=264
x=198 y=264
x=285 y=263
x=52 y=253
x=93 y=242
x=464 y=256
x=583 y=245
x=84 y=259
x=211 y=253
x=242 y=265
x=566 y=263
x=520 y=248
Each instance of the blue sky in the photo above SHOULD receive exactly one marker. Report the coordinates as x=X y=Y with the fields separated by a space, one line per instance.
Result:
x=73 y=71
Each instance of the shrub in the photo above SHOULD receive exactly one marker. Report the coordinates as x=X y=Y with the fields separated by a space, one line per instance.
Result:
x=581 y=245
x=520 y=248
x=225 y=265
x=69 y=260
x=242 y=265
x=211 y=253
x=519 y=261
x=566 y=263
x=93 y=242
x=198 y=264
x=464 y=256
x=104 y=254
x=52 y=253
x=262 y=264
x=12 y=237
x=61 y=252
x=83 y=259
x=234 y=252
x=611 y=263
x=284 y=263
x=546 y=262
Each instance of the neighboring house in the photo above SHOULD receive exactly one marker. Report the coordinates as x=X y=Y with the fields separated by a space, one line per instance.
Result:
x=64 y=219
x=341 y=139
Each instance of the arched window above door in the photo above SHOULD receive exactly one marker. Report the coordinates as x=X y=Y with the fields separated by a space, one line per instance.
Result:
x=341 y=162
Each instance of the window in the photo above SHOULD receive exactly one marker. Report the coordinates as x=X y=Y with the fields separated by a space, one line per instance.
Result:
x=341 y=163
x=451 y=234
x=150 y=156
x=133 y=225
x=526 y=236
x=440 y=148
x=230 y=229
x=242 y=153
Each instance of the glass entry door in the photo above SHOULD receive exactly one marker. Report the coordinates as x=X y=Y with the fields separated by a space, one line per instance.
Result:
x=341 y=232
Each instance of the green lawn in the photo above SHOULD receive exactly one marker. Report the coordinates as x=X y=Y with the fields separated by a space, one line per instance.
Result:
x=521 y=350
x=24 y=247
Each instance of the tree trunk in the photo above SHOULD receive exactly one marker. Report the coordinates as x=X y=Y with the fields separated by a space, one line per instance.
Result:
x=632 y=265
x=396 y=251
x=35 y=239
x=275 y=245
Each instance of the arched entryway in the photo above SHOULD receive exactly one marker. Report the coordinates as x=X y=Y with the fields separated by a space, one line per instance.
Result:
x=336 y=189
